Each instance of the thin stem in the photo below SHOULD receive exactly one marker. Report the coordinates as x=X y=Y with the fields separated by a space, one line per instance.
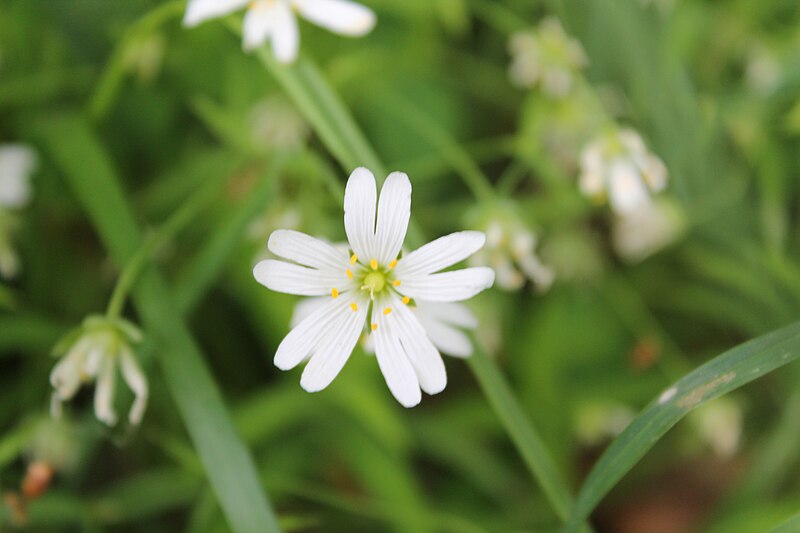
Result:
x=173 y=225
x=469 y=171
x=525 y=437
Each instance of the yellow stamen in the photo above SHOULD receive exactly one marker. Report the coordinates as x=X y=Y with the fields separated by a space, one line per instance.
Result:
x=406 y=300
x=373 y=264
x=396 y=283
x=349 y=273
x=335 y=292
x=392 y=264
x=387 y=310
x=354 y=306
x=374 y=326
x=353 y=259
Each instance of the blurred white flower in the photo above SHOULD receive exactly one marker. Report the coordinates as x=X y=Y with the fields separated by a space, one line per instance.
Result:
x=597 y=422
x=762 y=70
x=275 y=20
x=547 y=58
x=92 y=353
x=511 y=252
x=17 y=163
x=645 y=230
x=372 y=286
x=719 y=424
x=276 y=124
x=618 y=166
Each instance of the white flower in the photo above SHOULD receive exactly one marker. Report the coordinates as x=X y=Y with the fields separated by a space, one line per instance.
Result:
x=619 y=166
x=547 y=58
x=645 y=230
x=275 y=20
x=372 y=286
x=17 y=163
x=93 y=352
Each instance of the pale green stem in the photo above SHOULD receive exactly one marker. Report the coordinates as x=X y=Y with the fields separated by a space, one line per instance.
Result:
x=172 y=226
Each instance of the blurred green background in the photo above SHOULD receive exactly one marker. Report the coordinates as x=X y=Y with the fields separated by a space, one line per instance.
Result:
x=120 y=88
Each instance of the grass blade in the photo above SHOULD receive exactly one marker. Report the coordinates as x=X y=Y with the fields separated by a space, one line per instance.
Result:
x=719 y=376
x=228 y=464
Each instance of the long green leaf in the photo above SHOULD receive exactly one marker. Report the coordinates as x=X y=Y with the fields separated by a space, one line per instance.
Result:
x=792 y=525
x=228 y=464
x=719 y=376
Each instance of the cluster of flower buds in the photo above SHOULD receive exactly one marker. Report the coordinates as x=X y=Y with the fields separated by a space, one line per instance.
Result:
x=546 y=58
x=94 y=352
x=510 y=251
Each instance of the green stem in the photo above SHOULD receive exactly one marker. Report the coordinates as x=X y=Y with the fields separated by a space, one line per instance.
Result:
x=469 y=171
x=173 y=225
x=110 y=81
x=525 y=437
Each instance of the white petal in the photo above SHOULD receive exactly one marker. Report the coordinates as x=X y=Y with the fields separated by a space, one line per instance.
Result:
x=17 y=162
x=420 y=350
x=360 y=198
x=200 y=10
x=305 y=308
x=627 y=190
x=304 y=338
x=306 y=250
x=334 y=350
x=441 y=253
x=137 y=382
x=450 y=313
x=448 y=339
x=449 y=286
x=339 y=16
x=104 y=393
x=272 y=20
x=394 y=210
x=66 y=377
x=294 y=279
x=394 y=364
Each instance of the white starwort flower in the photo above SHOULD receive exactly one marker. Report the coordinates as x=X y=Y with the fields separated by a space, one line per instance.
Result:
x=17 y=163
x=618 y=166
x=371 y=285
x=645 y=230
x=275 y=20
x=547 y=58
x=92 y=353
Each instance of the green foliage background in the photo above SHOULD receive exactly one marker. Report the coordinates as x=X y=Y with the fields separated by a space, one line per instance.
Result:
x=123 y=148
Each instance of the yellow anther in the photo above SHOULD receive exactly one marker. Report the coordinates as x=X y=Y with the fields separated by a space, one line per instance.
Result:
x=354 y=306
x=349 y=273
x=373 y=264
x=335 y=292
x=392 y=264
x=406 y=300
x=374 y=326
x=387 y=310
x=353 y=259
x=396 y=283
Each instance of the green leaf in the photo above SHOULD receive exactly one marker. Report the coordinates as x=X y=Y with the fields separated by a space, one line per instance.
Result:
x=719 y=376
x=790 y=526
x=228 y=464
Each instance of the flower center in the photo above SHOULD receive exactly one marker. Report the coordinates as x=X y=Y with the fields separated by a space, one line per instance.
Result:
x=374 y=282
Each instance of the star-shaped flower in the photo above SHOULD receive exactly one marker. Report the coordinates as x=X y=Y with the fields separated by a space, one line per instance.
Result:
x=275 y=20
x=371 y=286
